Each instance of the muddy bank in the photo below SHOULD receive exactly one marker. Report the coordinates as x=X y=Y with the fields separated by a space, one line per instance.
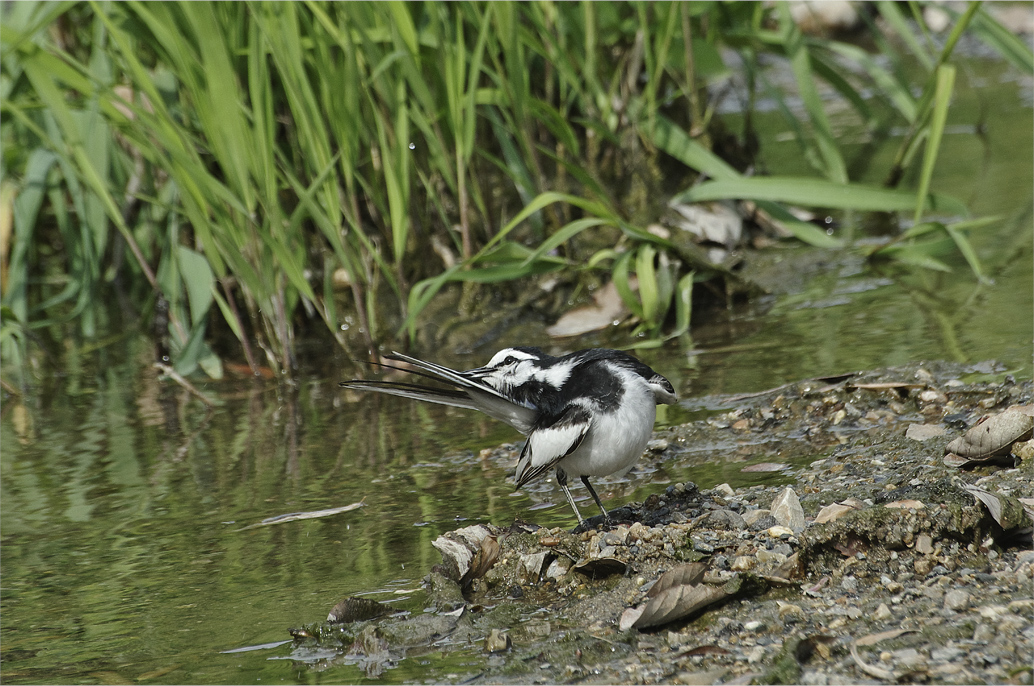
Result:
x=872 y=564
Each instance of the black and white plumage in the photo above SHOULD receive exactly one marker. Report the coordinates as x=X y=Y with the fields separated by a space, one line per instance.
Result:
x=587 y=413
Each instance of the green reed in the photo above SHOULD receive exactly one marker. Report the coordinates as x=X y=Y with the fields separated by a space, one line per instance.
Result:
x=261 y=166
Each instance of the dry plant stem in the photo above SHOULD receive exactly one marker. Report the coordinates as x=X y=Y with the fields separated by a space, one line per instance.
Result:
x=191 y=388
x=240 y=325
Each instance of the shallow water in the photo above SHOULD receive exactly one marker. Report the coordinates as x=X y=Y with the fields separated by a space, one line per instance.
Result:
x=123 y=499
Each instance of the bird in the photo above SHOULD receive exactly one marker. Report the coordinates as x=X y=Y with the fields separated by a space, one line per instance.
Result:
x=586 y=413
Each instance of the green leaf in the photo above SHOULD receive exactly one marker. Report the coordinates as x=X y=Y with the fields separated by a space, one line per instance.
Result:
x=813 y=192
x=941 y=101
x=199 y=282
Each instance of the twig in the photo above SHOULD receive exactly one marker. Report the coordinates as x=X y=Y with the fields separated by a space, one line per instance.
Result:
x=178 y=378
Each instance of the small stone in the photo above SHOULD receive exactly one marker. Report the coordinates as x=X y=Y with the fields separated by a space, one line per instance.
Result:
x=956 y=600
x=724 y=490
x=743 y=563
x=753 y=625
x=907 y=657
x=924 y=544
x=787 y=510
x=558 y=568
x=724 y=520
x=756 y=655
x=498 y=641
x=854 y=612
x=617 y=537
x=832 y=512
x=882 y=612
x=789 y=610
x=983 y=633
x=752 y=516
x=765 y=556
x=922 y=566
x=779 y=531
x=849 y=584
x=657 y=445
x=945 y=654
x=924 y=432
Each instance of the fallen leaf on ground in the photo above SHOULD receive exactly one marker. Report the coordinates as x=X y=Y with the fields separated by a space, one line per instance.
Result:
x=677 y=602
x=684 y=575
x=994 y=435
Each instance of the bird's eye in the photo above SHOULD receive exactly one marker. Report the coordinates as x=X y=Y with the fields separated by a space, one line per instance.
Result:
x=510 y=360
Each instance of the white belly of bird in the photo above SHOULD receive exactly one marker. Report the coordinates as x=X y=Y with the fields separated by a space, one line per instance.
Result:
x=616 y=440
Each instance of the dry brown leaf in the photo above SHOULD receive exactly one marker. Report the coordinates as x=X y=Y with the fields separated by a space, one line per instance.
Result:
x=995 y=435
x=608 y=309
x=677 y=602
x=630 y=616
x=484 y=559
x=684 y=575
x=1009 y=512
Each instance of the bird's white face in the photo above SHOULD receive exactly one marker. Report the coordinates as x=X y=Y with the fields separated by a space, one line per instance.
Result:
x=509 y=368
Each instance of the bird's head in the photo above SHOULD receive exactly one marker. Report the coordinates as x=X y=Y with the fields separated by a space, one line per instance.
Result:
x=510 y=367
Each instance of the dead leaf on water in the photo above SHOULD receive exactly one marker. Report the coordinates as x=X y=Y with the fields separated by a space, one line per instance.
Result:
x=609 y=308
x=295 y=516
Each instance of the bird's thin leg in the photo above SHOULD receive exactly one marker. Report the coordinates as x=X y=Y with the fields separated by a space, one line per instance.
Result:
x=592 y=492
x=561 y=478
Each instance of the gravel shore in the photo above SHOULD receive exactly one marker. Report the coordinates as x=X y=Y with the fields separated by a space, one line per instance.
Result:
x=874 y=564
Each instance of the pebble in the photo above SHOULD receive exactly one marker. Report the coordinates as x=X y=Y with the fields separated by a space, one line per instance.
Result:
x=983 y=633
x=750 y=517
x=907 y=657
x=849 y=584
x=945 y=654
x=882 y=612
x=770 y=556
x=924 y=544
x=753 y=625
x=787 y=510
x=743 y=563
x=725 y=490
x=956 y=599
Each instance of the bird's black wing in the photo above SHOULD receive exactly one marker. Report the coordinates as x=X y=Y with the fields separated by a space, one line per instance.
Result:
x=547 y=445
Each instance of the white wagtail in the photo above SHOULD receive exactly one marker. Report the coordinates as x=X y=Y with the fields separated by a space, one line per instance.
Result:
x=587 y=413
